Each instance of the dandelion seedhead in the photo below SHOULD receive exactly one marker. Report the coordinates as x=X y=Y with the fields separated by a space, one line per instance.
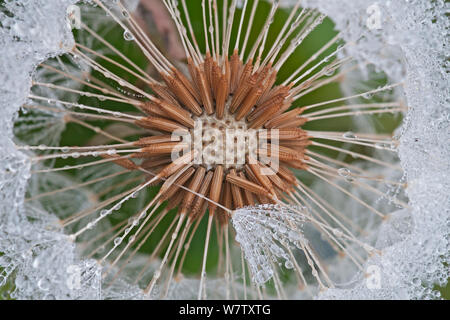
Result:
x=136 y=159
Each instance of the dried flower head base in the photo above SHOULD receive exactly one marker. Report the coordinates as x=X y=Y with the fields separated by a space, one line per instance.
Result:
x=232 y=83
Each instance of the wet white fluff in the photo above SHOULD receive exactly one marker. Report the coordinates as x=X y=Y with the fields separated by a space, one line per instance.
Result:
x=410 y=46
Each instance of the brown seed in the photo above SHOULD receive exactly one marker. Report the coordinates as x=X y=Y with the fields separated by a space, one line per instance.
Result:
x=283 y=118
x=287 y=175
x=205 y=91
x=175 y=201
x=299 y=144
x=208 y=66
x=236 y=68
x=125 y=163
x=265 y=116
x=153 y=162
x=221 y=97
x=246 y=82
x=254 y=166
x=216 y=76
x=193 y=72
x=268 y=105
x=298 y=121
x=227 y=69
x=227 y=202
x=284 y=134
x=182 y=93
x=164 y=93
x=176 y=165
x=268 y=87
x=251 y=177
x=296 y=165
x=276 y=180
x=280 y=152
x=152 y=109
x=187 y=84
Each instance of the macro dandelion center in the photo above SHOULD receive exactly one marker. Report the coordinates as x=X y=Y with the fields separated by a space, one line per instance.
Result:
x=232 y=170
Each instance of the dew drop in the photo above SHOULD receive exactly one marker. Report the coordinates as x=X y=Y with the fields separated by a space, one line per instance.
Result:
x=344 y=172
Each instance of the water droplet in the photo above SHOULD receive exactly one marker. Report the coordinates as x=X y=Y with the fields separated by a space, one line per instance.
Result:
x=117 y=241
x=43 y=285
x=338 y=233
x=329 y=72
x=367 y=95
x=127 y=35
x=344 y=172
x=35 y=263
x=288 y=264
